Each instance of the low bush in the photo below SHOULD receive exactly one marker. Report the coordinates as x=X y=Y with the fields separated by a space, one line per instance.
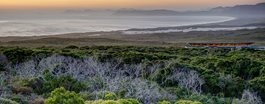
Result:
x=38 y=101
x=258 y=84
x=71 y=47
x=7 y=101
x=22 y=90
x=187 y=102
x=21 y=99
x=17 y=55
x=164 y=102
x=110 y=96
x=120 y=101
x=50 y=82
x=62 y=96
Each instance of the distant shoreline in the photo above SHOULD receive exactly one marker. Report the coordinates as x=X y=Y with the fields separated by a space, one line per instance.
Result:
x=179 y=39
x=195 y=24
x=3 y=21
x=177 y=25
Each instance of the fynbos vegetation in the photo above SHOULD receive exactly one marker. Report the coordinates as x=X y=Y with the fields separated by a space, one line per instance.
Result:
x=131 y=75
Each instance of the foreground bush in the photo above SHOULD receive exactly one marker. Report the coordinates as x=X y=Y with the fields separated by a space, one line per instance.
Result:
x=132 y=101
x=120 y=101
x=62 y=96
x=110 y=96
x=187 y=102
x=164 y=102
x=7 y=101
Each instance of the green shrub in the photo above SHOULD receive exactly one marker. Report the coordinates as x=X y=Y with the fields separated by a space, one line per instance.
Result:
x=38 y=101
x=246 y=68
x=87 y=95
x=120 y=101
x=187 y=102
x=62 y=96
x=110 y=96
x=106 y=95
x=7 y=101
x=50 y=82
x=258 y=84
x=71 y=47
x=21 y=99
x=2 y=66
x=102 y=102
x=110 y=102
x=18 y=54
x=164 y=102
x=124 y=101
x=208 y=99
x=133 y=101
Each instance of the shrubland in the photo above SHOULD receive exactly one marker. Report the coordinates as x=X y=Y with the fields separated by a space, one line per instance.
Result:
x=131 y=75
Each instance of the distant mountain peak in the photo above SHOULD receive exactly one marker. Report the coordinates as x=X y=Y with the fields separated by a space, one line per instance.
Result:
x=261 y=3
x=241 y=10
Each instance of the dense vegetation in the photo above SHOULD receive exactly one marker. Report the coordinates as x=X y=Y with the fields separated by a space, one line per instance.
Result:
x=131 y=75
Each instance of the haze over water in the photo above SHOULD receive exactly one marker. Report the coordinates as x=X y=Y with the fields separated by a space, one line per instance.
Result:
x=52 y=26
x=41 y=17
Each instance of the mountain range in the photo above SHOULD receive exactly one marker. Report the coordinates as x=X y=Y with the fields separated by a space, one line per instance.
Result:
x=236 y=11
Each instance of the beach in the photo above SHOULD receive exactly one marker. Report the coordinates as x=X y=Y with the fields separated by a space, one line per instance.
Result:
x=176 y=36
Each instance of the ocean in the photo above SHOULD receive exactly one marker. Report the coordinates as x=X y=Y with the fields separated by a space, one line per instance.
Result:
x=55 y=26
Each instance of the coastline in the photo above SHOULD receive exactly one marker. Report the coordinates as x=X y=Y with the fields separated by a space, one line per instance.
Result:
x=3 y=21
x=114 y=30
x=114 y=38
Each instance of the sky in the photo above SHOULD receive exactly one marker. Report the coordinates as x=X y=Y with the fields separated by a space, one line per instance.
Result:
x=115 y=4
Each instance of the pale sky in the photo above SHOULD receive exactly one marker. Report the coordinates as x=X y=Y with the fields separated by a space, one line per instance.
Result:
x=114 y=4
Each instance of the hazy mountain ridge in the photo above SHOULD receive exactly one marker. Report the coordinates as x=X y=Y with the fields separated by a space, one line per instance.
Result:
x=236 y=11
x=241 y=10
x=145 y=12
